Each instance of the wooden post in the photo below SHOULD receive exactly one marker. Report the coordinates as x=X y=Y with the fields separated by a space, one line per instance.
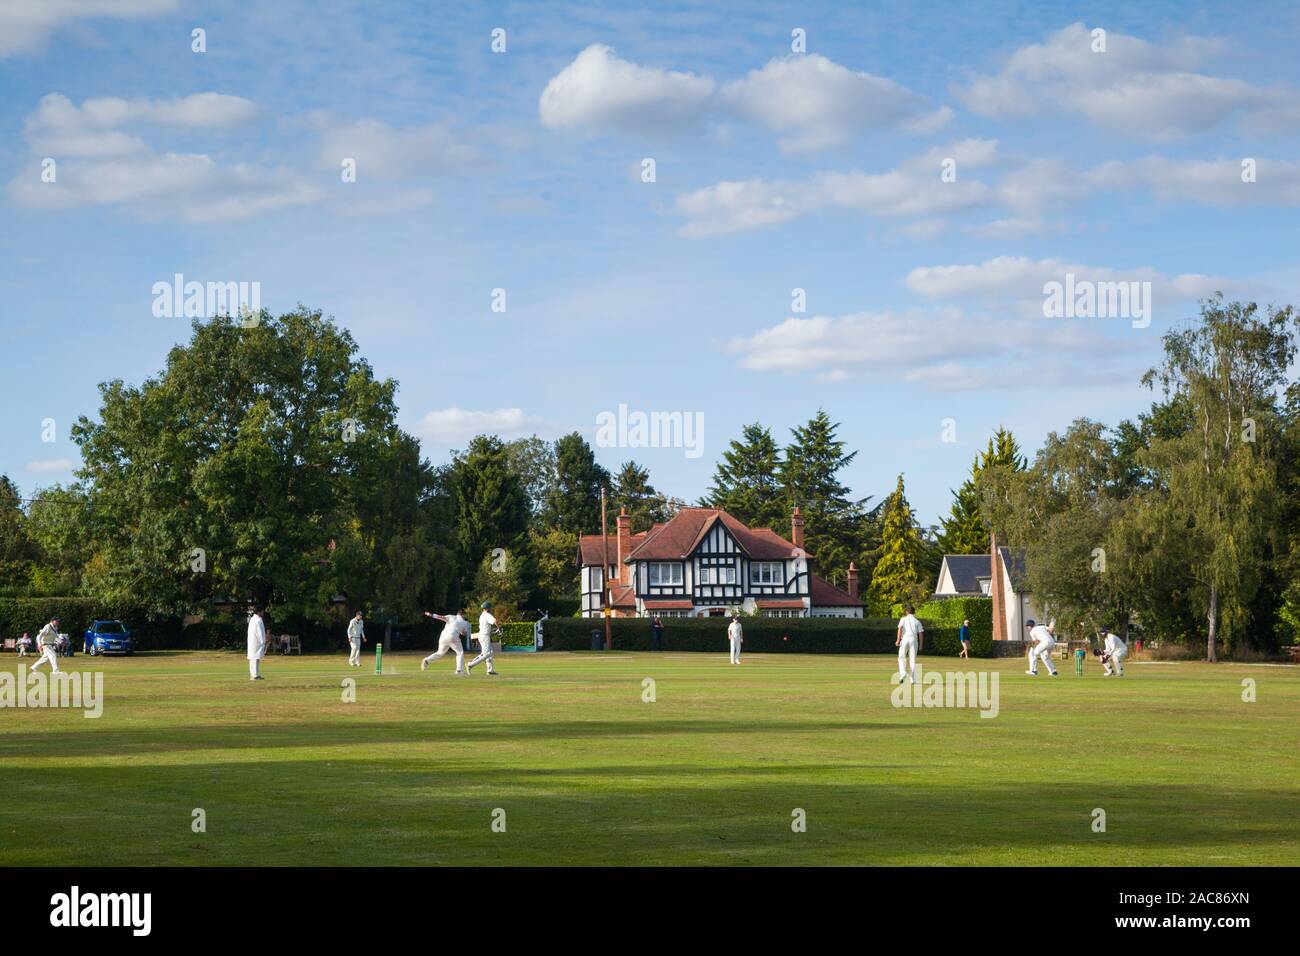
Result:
x=608 y=589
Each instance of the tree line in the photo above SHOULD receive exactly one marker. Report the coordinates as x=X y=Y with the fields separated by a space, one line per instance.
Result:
x=265 y=463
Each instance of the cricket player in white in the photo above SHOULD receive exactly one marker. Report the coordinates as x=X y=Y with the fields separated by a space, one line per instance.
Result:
x=736 y=635
x=356 y=637
x=454 y=626
x=911 y=636
x=486 y=625
x=1044 y=640
x=47 y=642
x=1115 y=651
x=256 y=642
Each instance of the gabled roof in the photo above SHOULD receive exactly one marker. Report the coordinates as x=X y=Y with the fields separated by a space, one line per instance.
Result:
x=679 y=537
x=966 y=571
x=825 y=594
x=1015 y=563
x=592 y=554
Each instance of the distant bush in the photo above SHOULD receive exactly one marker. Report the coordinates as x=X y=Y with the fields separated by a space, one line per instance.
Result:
x=517 y=634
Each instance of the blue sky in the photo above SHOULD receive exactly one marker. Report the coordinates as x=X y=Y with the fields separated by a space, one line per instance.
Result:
x=774 y=170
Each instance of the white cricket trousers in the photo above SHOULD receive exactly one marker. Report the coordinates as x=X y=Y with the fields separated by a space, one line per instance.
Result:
x=252 y=667
x=1117 y=662
x=51 y=655
x=735 y=649
x=907 y=659
x=355 y=657
x=1043 y=650
x=485 y=642
x=446 y=644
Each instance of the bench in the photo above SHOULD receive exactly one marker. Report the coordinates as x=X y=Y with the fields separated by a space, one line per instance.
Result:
x=11 y=644
x=289 y=644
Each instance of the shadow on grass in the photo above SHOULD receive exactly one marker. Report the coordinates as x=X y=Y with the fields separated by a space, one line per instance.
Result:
x=351 y=732
x=405 y=812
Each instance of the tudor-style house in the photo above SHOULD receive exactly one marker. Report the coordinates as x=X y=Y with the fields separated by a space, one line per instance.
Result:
x=705 y=562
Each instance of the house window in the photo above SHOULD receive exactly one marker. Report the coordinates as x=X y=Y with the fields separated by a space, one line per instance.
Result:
x=984 y=585
x=782 y=612
x=724 y=575
x=767 y=572
x=665 y=574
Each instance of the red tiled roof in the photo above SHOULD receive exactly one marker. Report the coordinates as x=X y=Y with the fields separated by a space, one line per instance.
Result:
x=681 y=535
x=589 y=547
x=780 y=603
x=666 y=605
x=622 y=595
x=825 y=594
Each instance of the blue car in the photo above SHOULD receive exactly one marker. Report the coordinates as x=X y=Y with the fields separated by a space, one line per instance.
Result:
x=108 y=637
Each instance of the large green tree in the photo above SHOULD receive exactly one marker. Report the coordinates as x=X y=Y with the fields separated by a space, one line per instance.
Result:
x=574 y=501
x=747 y=483
x=965 y=531
x=810 y=478
x=632 y=490
x=231 y=472
x=491 y=506
x=1218 y=481
x=897 y=574
x=16 y=550
x=1065 y=514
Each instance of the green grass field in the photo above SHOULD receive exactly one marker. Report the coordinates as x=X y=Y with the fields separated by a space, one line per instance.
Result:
x=588 y=773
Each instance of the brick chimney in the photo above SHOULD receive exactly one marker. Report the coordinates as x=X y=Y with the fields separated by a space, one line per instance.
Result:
x=796 y=527
x=624 y=543
x=995 y=589
x=852 y=586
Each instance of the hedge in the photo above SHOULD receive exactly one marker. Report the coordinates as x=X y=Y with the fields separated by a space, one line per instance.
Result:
x=942 y=618
x=762 y=635
x=517 y=634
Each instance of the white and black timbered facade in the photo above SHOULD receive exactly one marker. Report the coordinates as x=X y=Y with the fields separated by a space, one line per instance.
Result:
x=705 y=562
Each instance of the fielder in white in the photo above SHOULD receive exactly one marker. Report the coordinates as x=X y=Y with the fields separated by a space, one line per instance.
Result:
x=24 y=645
x=256 y=642
x=911 y=638
x=356 y=637
x=1114 y=656
x=47 y=642
x=487 y=624
x=453 y=626
x=1044 y=639
x=736 y=635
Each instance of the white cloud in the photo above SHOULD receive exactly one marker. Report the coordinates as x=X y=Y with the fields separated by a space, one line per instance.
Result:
x=810 y=101
x=1019 y=280
x=25 y=25
x=944 y=348
x=1134 y=86
x=448 y=426
x=815 y=103
x=387 y=152
x=50 y=466
x=913 y=189
x=598 y=89
x=1215 y=182
x=192 y=186
x=99 y=164
x=59 y=128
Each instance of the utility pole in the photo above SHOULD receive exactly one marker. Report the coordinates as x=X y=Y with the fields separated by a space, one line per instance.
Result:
x=608 y=589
